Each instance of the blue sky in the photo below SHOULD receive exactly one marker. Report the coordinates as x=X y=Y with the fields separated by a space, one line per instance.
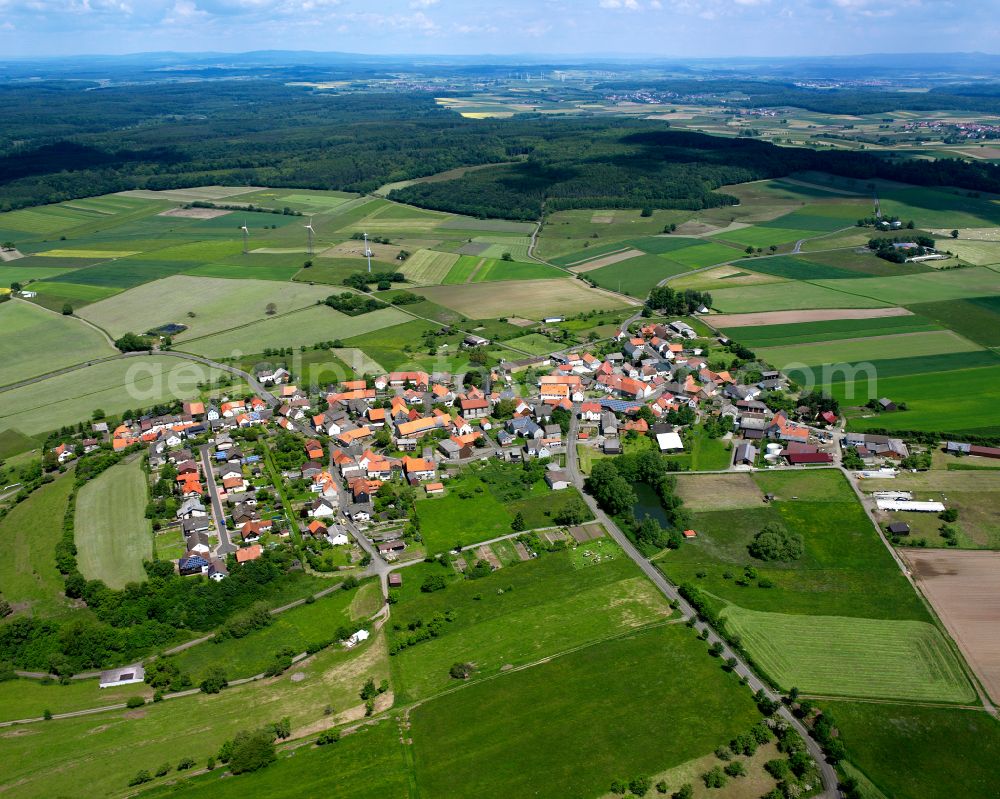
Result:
x=688 y=28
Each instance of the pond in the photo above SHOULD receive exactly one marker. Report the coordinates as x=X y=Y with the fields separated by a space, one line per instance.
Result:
x=648 y=504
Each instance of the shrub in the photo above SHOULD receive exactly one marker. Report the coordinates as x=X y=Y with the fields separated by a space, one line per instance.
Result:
x=639 y=786
x=214 y=682
x=140 y=778
x=185 y=764
x=328 y=737
x=775 y=543
x=715 y=778
x=163 y=770
x=134 y=702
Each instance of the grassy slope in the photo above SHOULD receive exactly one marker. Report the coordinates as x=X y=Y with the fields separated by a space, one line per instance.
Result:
x=660 y=700
x=112 y=533
x=28 y=536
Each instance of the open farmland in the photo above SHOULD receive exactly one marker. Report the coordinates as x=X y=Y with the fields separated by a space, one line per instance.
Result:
x=428 y=266
x=113 y=536
x=520 y=614
x=921 y=752
x=841 y=656
x=953 y=284
x=828 y=331
x=113 y=387
x=34 y=341
x=552 y=730
x=972 y=410
x=533 y=299
x=800 y=297
x=719 y=492
x=766 y=318
x=636 y=276
x=964 y=588
x=976 y=318
x=298 y=328
x=205 y=305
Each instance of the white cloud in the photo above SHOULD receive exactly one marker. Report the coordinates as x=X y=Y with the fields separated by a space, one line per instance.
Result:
x=626 y=5
x=423 y=3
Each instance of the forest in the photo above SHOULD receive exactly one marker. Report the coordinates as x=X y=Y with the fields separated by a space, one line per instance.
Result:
x=60 y=143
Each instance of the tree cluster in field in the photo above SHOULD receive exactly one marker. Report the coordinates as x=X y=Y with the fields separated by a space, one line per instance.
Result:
x=406 y=298
x=360 y=235
x=353 y=304
x=666 y=300
x=362 y=281
x=775 y=543
x=886 y=248
x=259 y=209
x=417 y=631
x=610 y=483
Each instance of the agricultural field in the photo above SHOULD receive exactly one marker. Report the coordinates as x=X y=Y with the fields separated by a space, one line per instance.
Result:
x=616 y=681
x=972 y=410
x=800 y=297
x=721 y=277
x=636 y=276
x=28 y=537
x=844 y=570
x=113 y=536
x=519 y=614
x=297 y=328
x=205 y=305
x=113 y=387
x=533 y=343
x=428 y=266
x=532 y=299
x=920 y=752
x=568 y=232
x=976 y=318
x=842 y=656
x=765 y=336
x=719 y=492
x=35 y=341
x=962 y=588
x=953 y=284
x=55 y=295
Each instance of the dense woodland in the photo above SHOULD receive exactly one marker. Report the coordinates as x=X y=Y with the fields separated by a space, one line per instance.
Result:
x=59 y=142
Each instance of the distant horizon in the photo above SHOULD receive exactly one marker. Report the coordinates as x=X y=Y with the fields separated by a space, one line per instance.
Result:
x=669 y=29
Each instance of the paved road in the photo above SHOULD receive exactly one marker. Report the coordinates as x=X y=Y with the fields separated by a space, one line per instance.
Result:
x=218 y=512
x=827 y=772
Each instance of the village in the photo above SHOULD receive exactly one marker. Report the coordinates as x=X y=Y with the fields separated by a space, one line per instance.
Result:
x=338 y=471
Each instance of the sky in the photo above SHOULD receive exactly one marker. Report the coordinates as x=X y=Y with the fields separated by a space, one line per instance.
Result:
x=668 y=28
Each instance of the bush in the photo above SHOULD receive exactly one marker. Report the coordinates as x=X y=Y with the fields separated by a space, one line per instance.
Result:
x=185 y=764
x=640 y=786
x=715 y=778
x=248 y=751
x=214 y=682
x=134 y=702
x=735 y=769
x=140 y=778
x=460 y=671
x=432 y=582
x=163 y=770
x=328 y=737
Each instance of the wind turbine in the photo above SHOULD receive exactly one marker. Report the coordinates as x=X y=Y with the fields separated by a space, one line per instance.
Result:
x=368 y=254
x=246 y=237
x=310 y=232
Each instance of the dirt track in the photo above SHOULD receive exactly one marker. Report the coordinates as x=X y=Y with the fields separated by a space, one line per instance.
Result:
x=964 y=588
x=791 y=317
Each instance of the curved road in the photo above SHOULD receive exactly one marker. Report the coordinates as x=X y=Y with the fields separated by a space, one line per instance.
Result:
x=827 y=772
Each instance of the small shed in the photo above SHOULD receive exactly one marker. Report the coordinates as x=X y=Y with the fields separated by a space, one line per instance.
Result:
x=690 y=534
x=899 y=528
x=395 y=580
x=127 y=675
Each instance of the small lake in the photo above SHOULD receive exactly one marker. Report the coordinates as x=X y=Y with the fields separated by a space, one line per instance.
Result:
x=648 y=504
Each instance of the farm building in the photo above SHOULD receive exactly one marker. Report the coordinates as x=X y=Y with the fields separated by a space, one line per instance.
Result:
x=395 y=580
x=669 y=442
x=910 y=505
x=805 y=458
x=961 y=448
x=899 y=528
x=557 y=480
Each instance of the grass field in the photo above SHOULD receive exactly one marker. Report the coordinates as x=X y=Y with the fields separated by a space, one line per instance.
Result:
x=113 y=536
x=872 y=348
x=779 y=296
x=124 y=273
x=28 y=536
x=840 y=656
x=369 y=762
x=520 y=614
x=55 y=295
x=496 y=270
x=236 y=272
x=636 y=276
x=534 y=343
x=921 y=752
x=971 y=410
x=976 y=318
x=216 y=305
x=953 y=284
x=294 y=629
x=844 y=571
x=935 y=208
x=34 y=341
x=305 y=327
x=113 y=387
x=428 y=266
x=807 y=332
x=532 y=299
x=45 y=760
x=758 y=236
x=980 y=253
x=546 y=714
